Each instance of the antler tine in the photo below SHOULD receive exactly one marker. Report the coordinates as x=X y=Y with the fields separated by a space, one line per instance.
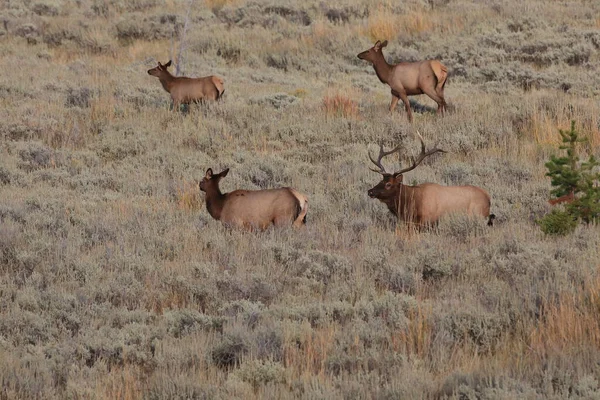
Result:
x=424 y=154
x=378 y=162
x=382 y=154
x=422 y=141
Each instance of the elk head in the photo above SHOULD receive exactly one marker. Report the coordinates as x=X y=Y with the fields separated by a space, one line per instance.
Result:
x=161 y=68
x=388 y=190
x=372 y=53
x=211 y=180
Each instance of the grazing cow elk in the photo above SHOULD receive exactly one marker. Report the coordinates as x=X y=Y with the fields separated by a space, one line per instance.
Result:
x=424 y=204
x=409 y=78
x=253 y=209
x=187 y=90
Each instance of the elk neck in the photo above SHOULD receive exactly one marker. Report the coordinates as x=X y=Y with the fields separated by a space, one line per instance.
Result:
x=400 y=205
x=166 y=80
x=382 y=68
x=215 y=200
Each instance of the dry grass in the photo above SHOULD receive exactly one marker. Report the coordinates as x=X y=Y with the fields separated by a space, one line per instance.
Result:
x=116 y=283
x=415 y=341
x=570 y=324
x=188 y=197
x=545 y=121
x=216 y=5
x=339 y=104
x=382 y=24
x=306 y=351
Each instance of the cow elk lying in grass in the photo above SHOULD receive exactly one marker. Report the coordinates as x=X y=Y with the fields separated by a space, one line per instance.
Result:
x=424 y=204
x=409 y=78
x=188 y=90
x=567 y=198
x=253 y=209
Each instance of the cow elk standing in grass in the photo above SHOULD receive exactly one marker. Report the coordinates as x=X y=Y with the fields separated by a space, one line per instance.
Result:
x=253 y=209
x=409 y=78
x=188 y=90
x=426 y=203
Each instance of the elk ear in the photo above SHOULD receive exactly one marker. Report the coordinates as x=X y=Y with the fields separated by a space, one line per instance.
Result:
x=385 y=42
x=168 y=64
x=377 y=45
x=224 y=173
x=209 y=173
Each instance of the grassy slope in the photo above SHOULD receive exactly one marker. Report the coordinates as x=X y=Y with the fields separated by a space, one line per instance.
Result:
x=115 y=281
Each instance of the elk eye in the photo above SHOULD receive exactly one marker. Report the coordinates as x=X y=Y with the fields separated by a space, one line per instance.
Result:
x=388 y=185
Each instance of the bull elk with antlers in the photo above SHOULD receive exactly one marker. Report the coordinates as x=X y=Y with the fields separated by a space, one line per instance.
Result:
x=426 y=203
x=409 y=78
x=253 y=209
x=185 y=90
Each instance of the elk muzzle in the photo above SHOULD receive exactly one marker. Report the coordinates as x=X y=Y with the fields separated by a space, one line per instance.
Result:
x=202 y=185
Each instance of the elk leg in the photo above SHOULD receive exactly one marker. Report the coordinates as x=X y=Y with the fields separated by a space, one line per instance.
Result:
x=440 y=93
x=395 y=98
x=439 y=99
x=404 y=98
x=439 y=90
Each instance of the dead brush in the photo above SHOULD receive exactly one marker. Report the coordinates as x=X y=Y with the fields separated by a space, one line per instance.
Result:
x=570 y=323
x=187 y=196
x=541 y=121
x=340 y=105
x=385 y=24
x=102 y=111
x=416 y=339
x=382 y=24
x=122 y=382
x=306 y=352
x=217 y=5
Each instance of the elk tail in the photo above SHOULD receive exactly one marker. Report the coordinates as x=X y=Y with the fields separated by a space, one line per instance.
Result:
x=301 y=208
x=491 y=219
x=445 y=77
x=218 y=82
x=441 y=73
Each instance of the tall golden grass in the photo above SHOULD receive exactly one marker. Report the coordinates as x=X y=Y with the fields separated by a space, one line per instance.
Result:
x=95 y=241
x=338 y=104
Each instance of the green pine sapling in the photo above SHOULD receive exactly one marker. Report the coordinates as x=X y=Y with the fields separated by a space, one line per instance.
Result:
x=576 y=184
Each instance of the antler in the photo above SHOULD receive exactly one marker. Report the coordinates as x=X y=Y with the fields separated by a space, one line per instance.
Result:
x=420 y=157
x=381 y=155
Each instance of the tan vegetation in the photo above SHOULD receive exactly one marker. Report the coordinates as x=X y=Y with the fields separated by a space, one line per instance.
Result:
x=338 y=104
x=115 y=282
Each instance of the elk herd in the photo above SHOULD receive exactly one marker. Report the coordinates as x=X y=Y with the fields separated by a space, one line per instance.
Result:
x=419 y=205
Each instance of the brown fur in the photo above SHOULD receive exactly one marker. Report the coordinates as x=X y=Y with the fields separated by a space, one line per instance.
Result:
x=187 y=90
x=567 y=198
x=426 y=203
x=407 y=79
x=253 y=209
